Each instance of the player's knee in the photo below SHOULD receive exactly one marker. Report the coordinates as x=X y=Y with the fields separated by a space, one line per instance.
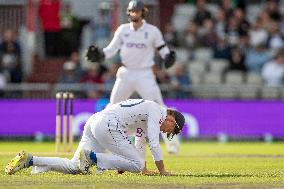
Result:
x=138 y=166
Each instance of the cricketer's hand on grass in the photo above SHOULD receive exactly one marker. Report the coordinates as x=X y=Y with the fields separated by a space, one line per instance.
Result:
x=149 y=172
x=160 y=165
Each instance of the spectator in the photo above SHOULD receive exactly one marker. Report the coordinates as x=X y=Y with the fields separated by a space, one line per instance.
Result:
x=70 y=31
x=275 y=40
x=237 y=60
x=69 y=75
x=257 y=57
x=221 y=49
x=272 y=8
x=49 y=13
x=190 y=36
x=208 y=37
x=202 y=13
x=72 y=70
x=220 y=23
x=93 y=77
x=232 y=32
x=162 y=77
x=273 y=71
x=265 y=20
x=227 y=6
x=257 y=33
x=282 y=25
x=170 y=36
x=3 y=82
x=10 y=56
x=180 y=81
x=75 y=57
x=242 y=23
x=244 y=44
x=101 y=24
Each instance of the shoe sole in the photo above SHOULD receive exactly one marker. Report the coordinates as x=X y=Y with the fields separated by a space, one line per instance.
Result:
x=16 y=163
x=84 y=169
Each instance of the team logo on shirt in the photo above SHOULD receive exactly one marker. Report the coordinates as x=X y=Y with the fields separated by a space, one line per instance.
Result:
x=136 y=45
x=126 y=35
x=139 y=132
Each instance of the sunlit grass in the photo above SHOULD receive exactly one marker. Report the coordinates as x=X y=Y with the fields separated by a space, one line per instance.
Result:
x=199 y=164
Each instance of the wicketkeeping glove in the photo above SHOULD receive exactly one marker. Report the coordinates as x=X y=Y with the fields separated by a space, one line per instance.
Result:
x=170 y=59
x=94 y=54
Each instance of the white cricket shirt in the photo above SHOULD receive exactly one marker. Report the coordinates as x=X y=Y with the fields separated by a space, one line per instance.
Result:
x=141 y=118
x=137 y=48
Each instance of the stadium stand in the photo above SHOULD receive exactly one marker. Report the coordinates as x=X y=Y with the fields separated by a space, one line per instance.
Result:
x=270 y=93
x=210 y=77
x=218 y=66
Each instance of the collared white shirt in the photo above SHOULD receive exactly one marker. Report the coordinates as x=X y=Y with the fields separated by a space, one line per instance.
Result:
x=140 y=118
x=273 y=73
x=137 y=47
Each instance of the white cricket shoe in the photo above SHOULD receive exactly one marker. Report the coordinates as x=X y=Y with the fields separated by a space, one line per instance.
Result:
x=84 y=162
x=19 y=162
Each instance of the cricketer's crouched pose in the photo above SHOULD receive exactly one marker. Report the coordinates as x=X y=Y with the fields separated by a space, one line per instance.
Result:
x=105 y=141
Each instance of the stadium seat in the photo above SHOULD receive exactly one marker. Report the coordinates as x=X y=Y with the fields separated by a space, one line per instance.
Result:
x=281 y=7
x=180 y=22
x=248 y=91
x=182 y=15
x=196 y=78
x=234 y=77
x=197 y=67
x=182 y=54
x=218 y=65
x=282 y=92
x=212 y=78
x=203 y=54
x=204 y=91
x=46 y=70
x=254 y=78
x=270 y=92
x=227 y=92
x=185 y=9
x=102 y=42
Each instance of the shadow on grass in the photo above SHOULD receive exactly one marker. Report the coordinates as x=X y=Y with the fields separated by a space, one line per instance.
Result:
x=213 y=175
x=224 y=175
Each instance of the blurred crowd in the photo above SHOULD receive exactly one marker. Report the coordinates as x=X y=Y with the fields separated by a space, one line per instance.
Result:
x=249 y=46
x=10 y=59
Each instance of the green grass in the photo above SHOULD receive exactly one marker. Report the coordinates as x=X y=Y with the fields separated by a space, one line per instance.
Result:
x=200 y=165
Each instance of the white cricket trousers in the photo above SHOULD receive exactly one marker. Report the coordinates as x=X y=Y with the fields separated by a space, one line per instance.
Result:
x=142 y=81
x=104 y=135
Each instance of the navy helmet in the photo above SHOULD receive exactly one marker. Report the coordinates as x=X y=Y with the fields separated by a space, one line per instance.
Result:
x=179 y=119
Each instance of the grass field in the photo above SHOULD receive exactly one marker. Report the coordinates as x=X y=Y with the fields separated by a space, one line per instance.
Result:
x=200 y=165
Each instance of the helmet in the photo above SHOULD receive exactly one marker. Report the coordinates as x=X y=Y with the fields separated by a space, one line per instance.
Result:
x=137 y=5
x=180 y=120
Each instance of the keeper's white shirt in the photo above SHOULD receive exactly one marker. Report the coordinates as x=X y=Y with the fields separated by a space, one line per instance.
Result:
x=140 y=118
x=137 y=48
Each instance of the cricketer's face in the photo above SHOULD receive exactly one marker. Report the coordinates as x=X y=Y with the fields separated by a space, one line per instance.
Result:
x=135 y=15
x=168 y=125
